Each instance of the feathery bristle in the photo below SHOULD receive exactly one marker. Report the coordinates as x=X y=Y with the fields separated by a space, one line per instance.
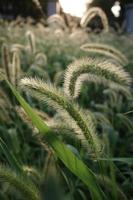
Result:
x=41 y=59
x=95 y=70
x=17 y=47
x=16 y=68
x=56 y=98
x=31 y=41
x=56 y=19
x=6 y=60
x=91 y=13
x=105 y=50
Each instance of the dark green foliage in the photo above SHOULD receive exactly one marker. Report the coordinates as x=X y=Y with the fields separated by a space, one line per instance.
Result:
x=43 y=53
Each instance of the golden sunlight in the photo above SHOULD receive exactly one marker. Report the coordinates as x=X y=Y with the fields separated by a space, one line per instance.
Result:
x=74 y=7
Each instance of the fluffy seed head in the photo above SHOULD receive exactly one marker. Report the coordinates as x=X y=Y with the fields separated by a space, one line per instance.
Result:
x=91 y=13
x=95 y=70
x=52 y=96
x=105 y=50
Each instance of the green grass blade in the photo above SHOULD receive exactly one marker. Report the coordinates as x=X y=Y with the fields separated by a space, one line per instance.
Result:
x=75 y=165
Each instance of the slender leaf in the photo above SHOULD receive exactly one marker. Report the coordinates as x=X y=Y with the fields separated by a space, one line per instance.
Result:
x=75 y=165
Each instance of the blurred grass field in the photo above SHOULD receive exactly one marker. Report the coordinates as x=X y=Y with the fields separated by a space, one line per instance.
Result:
x=45 y=52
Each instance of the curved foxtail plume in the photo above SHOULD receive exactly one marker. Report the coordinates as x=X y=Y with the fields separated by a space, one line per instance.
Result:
x=31 y=42
x=55 y=98
x=105 y=50
x=25 y=187
x=94 y=70
x=56 y=19
x=11 y=68
x=41 y=59
x=93 y=12
x=6 y=61
x=16 y=67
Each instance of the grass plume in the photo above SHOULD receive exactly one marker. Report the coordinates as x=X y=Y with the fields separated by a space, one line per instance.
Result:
x=16 y=67
x=105 y=50
x=52 y=96
x=93 y=12
x=31 y=41
x=94 y=70
x=11 y=68
x=56 y=20
x=6 y=61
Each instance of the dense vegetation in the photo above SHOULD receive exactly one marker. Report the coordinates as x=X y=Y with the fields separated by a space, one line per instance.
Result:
x=80 y=86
